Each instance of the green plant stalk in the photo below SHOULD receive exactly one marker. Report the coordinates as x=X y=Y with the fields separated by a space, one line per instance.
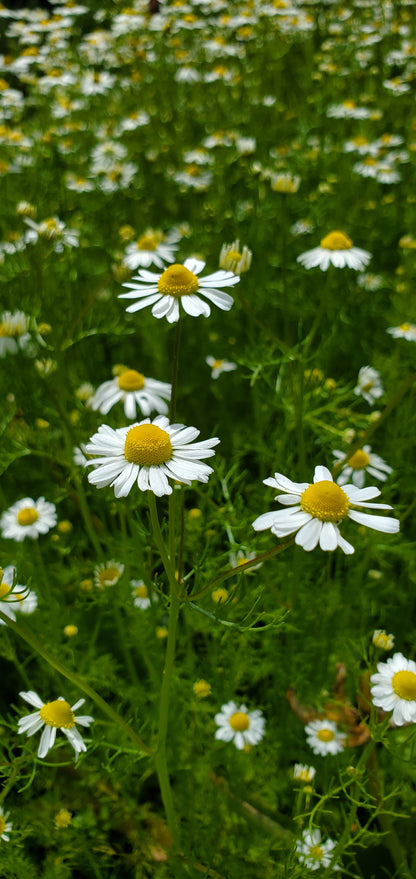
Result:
x=77 y=680
x=240 y=569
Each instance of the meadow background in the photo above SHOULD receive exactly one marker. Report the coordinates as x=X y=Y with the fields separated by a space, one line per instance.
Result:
x=271 y=124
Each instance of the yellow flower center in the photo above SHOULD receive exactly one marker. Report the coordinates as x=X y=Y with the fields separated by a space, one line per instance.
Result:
x=2 y=825
x=141 y=591
x=147 y=445
x=4 y=589
x=316 y=852
x=217 y=364
x=149 y=241
x=109 y=576
x=367 y=386
x=336 y=241
x=27 y=516
x=404 y=327
x=234 y=256
x=58 y=714
x=325 y=501
x=131 y=380
x=404 y=685
x=177 y=281
x=325 y=735
x=239 y=721
x=360 y=460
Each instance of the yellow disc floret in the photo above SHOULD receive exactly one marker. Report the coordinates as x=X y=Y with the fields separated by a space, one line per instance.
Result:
x=141 y=591
x=325 y=501
x=27 y=516
x=177 y=281
x=316 y=851
x=4 y=590
x=404 y=685
x=360 y=460
x=336 y=241
x=131 y=380
x=150 y=240
x=325 y=735
x=239 y=721
x=58 y=714
x=147 y=445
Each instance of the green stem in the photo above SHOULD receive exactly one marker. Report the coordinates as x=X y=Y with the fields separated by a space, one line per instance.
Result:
x=76 y=679
x=160 y=543
x=240 y=569
x=161 y=757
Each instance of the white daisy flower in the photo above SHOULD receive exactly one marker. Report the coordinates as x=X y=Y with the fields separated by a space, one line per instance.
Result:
x=51 y=716
x=7 y=576
x=324 y=737
x=149 y=453
x=179 y=283
x=336 y=249
x=235 y=260
x=382 y=640
x=313 y=852
x=369 y=384
x=153 y=247
x=28 y=518
x=108 y=574
x=317 y=509
x=14 y=334
x=5 y=825
x=302 y=772
x=141 y=597
x=219 y=366
x=404 y=331
x=361 y=462
x=394 y=688
x=17 y=597
x=238 y=725
x=134 y=389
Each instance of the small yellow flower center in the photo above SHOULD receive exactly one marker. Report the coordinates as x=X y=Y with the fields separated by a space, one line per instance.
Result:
x=217 y=364
x=316 y=852
x=58 y=714
x=149 y=241
x=404 y=685
x=2 y=825
x=109 y=576
x=325 y=501
x=177 y=281
x=359 y=461
x=4 y=589
x=234 y=256
x=325 y=735
x=27 y=516
x=336 y=241
x=367 y=386
x=141 y=592
x=405 y=327
x=131 y=380
x=239 y=721
x=147 y=445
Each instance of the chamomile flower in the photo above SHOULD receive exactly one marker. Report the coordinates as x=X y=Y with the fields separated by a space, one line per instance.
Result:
x=394 y=688
x=304 y=773
x=135 y=390
x=14 y=334
x=141 y=597
x=28 y=518
x=153 y=247
x=149 y=453
x=219 y=366
x=369 y=384
x=15 y=597
x=324 y=737
x=108 y=574
x=336 y=249
x=382 y=640
x=238 y=725
x=7 y=576
x=5 y=825
x=235 y=260
x=361 y=462
x=317 y=509
x=404 y=331
x=314 y=853
x=51 y=716
x=180 y=284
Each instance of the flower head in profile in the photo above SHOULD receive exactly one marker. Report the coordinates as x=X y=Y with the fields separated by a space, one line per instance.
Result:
x=28 y=518
x=14 y=334
x=149 y=453
x=235 y=260
x=314 y=853
x=369 y=385
x=318 y=508
x=6 y=826
x=304 y=773
x=335 y=249
x=324 y=737
x=134 y=390
x=361 y=462
x=179 y=284
x=51 y=716
x=152 y=248
x=394 y=688
x=382 y=640
x=404 y=331
x=238 y=725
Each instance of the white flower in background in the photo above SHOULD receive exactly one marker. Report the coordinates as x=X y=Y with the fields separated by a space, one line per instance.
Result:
x=51 y=716
x=369 y=384
x=108 y=574
x=219 y=366
x=314 y=853
x=404 y=331
x=28 y=518
x=238 y=725
x=361 y=462
x=394 y=688
x=6 y=826
x=302 y=772
x=135 y=390
x=336 y=249
x=52 y=229
x=180 y=284
x=324 y=737
x=149 y=453
x=235 y=260
x=14 y=334
x=17 y=598
x=382 y=640
x=317 y=509
x=141 y=596
x=153 y=247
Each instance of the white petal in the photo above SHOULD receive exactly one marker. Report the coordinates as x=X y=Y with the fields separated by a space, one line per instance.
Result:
x=379 y=523
x=322 y=474
x=328 y=540
x=309 y=535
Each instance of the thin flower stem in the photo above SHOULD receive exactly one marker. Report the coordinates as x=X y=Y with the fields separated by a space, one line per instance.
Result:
x=160 y=543
x=76 y=679
x=175 y=365
x=240 y=569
